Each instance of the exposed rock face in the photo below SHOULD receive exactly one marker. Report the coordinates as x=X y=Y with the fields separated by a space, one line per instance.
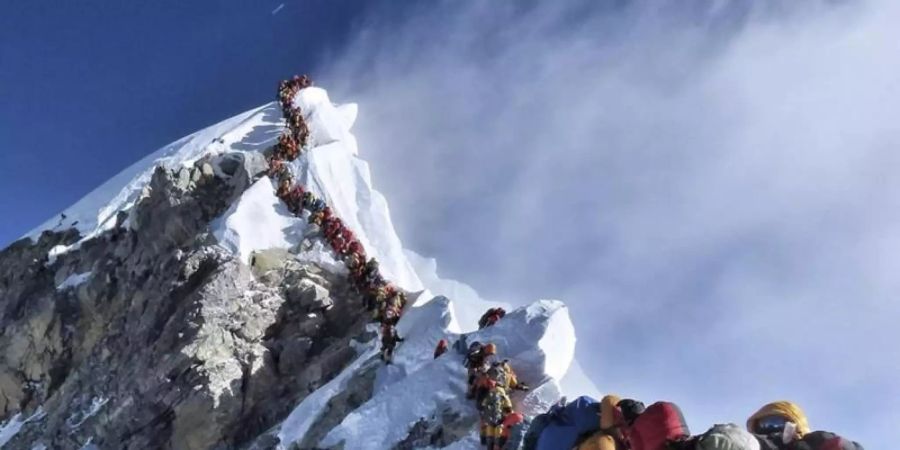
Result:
x=150 y=336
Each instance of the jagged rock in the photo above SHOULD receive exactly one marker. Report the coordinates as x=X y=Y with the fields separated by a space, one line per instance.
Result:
x=309 y=295
x=170 y=342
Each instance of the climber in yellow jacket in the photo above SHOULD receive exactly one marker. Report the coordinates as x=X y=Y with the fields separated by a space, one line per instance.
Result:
x=782 y=418
x=609 y=437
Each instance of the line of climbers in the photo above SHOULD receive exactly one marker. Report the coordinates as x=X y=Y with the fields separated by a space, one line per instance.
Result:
x=383 y=299
x=584 y=424
x=489 y=383
x=626 y=424
x=614 y=423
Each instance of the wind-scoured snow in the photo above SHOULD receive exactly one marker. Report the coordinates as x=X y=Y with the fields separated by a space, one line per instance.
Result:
x=12 y=427
x=93 y=409
x=417 y=386
x=298 y=423
x=467 y=305
x=74 y=280
x=258 y=220
x=97 y=210
x=539 y=339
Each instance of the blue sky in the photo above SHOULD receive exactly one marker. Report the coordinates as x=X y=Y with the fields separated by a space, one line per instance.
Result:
x=709 y=185
x=89 y=87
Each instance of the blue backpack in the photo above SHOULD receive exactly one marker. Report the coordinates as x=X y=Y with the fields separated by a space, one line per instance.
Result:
x=564 y=424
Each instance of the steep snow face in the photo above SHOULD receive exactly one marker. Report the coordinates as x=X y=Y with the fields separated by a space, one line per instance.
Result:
x=419 y=387
x=538 y=339
x=258 y=220
x=97 y=210
x=332 y=171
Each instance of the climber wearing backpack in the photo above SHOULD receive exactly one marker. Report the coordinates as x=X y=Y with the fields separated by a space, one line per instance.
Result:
x=441 y=348
x=659 y=426
x=609 y=436
x=478 y=360
x=284 y=188
x=782 y=425
x=490 y=317
x=389 y=341
x=498 y=373
x=778 y=424
x=494 y=408
x=294 y=200
x=392 y=310
x=512 y=431
x=318 y=217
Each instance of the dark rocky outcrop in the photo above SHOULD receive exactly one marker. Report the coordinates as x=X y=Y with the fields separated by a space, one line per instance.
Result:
x=150 y=336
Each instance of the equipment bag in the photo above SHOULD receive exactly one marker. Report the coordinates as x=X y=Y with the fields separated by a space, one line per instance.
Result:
x=660 y=423
x=727 y=437
x=570 y=423
x=493 y=408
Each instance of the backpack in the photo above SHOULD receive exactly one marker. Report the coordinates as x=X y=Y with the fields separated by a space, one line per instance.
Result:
x=537 y=425
x=769 y=442
x=660 y=423
x=824 y=440
x=517 y=435
x=472 y=354
x=727 y=437
x=498 y=373
x=494 y=407
x=569 y=424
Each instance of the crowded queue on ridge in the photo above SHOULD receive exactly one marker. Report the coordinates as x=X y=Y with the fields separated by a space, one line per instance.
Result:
x=583 y=424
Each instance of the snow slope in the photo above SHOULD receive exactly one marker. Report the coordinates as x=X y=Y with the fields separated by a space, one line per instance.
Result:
x=539 y=339
x=97 y=210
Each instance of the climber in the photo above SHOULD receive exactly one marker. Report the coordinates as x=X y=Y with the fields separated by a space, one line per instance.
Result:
x=660 y=426
x=284 y=187
x=320 y=216
x=609 y=436
x=498 y=373
x=354 y=262
x=495 y=407
x=780 y=422
x=336 y=241
x=294 y=200
x=392 y=308
x=440 y=349
x=512 y=431
x=286 y=148
x=331 y=227
x=389 y=341
x=490 y=317
x=783 y=425
x=371 y=276
x=346 y=237
x=477 y=361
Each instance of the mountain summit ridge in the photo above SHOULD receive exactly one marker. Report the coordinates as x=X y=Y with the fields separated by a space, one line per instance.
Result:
x=187 y=273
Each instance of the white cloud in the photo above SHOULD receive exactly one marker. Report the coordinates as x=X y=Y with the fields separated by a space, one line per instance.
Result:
x=711 y=189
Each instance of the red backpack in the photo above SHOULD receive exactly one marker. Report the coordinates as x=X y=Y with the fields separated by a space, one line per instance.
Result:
x=659 y=424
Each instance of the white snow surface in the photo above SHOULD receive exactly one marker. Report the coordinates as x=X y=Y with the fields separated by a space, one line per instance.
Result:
x=539 y=339
x=12 y=427
x=417 y=386
x=258 y=220
x=97 y=210
x=74 y=280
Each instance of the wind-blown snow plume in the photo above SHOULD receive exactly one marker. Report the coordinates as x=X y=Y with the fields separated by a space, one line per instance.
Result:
x=711 y=182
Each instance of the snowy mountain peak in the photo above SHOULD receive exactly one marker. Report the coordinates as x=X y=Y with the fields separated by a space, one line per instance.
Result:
x=251 y=273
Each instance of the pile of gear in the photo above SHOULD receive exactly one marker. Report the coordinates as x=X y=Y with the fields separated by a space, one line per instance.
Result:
x=614 y=424
x=383 y=299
